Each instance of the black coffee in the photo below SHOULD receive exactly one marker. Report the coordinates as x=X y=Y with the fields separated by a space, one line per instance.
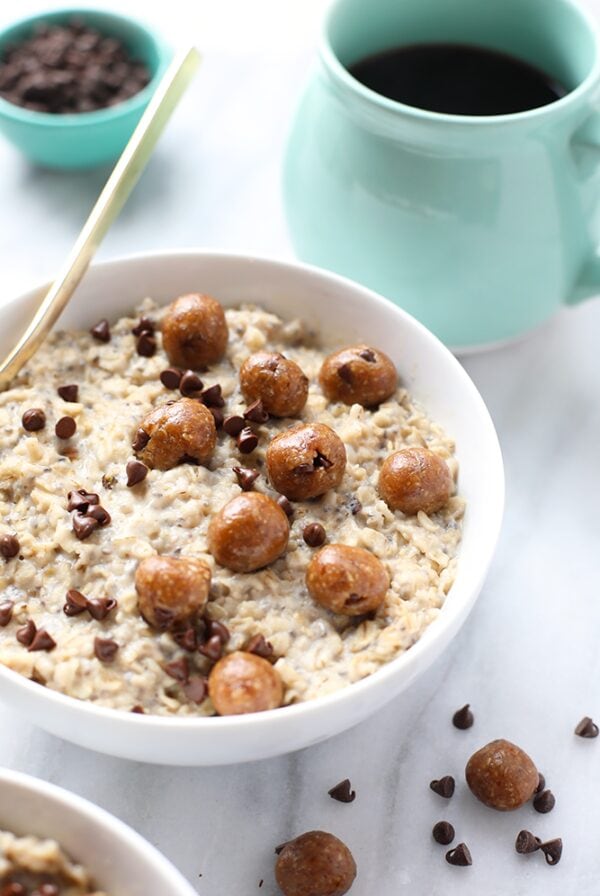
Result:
x=457 y=79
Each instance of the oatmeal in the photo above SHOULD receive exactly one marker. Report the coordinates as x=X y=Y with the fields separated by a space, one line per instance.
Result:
x=84 y=514
x=36 y=867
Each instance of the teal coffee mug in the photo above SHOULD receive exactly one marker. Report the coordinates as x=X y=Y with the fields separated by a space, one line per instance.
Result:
x=479 y=226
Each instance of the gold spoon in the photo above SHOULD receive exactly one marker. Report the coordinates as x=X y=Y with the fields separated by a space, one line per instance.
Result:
x=119 y=185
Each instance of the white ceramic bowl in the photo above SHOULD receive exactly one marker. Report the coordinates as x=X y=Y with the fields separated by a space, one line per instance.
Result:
x=433 y=376
x=121 y=862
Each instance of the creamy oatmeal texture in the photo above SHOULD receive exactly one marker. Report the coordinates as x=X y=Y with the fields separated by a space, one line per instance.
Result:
x=32 y=862
x=169 y=512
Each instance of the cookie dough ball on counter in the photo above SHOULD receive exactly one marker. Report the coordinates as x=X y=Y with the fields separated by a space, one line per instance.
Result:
x=243 y=682
x=347 y=580
x=306 y=461
x=278 y=382
x=195 y=331
x=249 y=532
x=414 y=479
x=315 y=864
x=171 y=590
x=502 y=775
x=174 y=433
x=358 y=374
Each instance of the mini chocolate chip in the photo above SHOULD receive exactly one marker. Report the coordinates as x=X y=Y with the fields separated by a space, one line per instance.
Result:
x=246 y=477
x=286 y=506
x=9 y=546
x=99 y=514
x=65 y=428
x=260 y=647
x=105 y=649
x=187 y=639
x=460 y=855
x=101 y=331
x=212 y=649
x=26 y=633
x=163 y=618
x=33 y=420
x=216 y=628
x=304 y=469
x=80 y=500
x=146 y=345
x=444 y=786
x=196 y=689
x=190 y=383
x=136 y=472
x=233 y=425
x=322 y=461
x=526 y=843
x=367 y=355
x=212 y=397
x=141 y=440
x=541 y=783
x=256 y=412
x=6 y=611
x=178 y=669
x=139 y=710
x=247 y=440
x=100 y=607
x=171 y=377
x=345 y=373
x=552 y=850
x=69 y=393
x=42 y=641
x=83 y=525
x=587 y=728
x=354 y=506
x=544 y=802
x=145 y=325
x=76 y=603
x=343 y=792
x=314 y=535
x=463 y=718
x=218 y=417
x=443 y=833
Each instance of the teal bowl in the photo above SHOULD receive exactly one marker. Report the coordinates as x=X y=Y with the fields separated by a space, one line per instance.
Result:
x=83 y=139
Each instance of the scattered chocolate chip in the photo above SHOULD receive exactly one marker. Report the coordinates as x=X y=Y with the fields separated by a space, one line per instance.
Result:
x=101 y=331
x=460 y=855
x=81 y=500
x=286 y=506
x=541 y=783
x=42 y=641
x=163 y=618
x=544 y=802
x=6 y=611
x=321 y=461
x=9 y=546
x=139 y=710
x=196 y=689
x=343 y=792
x=233 y=425
x=171 y=377
x=212 y=649
x=443 y=833
x=178 y=669
x=444 y=786
x=99 y=514
x=345 y=373
x=314 y=535
x=552 y=850
x=146 y=345
x=187 y=639
x=354 y=506
x=65 y=428
x=256 y=413
x=145 y=325
x=214 y=628
x=463 y=718
x=527 y=842
x=587 y=728
x=33 y=420
x=190 y=383
x=218 y=417
x=136 y=472
x=260 y=646
x=75 y=604
x=69 y=393
x=83 y=525
x=246 y=477
x=247 y=440
x=105 y=649
x=212 y=397
x=26 y=633
x=367 y=355
x=100 y=607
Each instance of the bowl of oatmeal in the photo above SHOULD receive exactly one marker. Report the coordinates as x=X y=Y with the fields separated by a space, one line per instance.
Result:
x=53 y=843
x=244 y=503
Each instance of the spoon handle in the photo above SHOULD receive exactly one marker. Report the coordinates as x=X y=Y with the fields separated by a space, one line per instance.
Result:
x=119 y=185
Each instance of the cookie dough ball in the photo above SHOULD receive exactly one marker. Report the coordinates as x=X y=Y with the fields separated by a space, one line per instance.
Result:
x=358 y=374
x=244 y=682
x=278 y=382
x=195 y=331
x=174 y=433
x=306 y=461
x=249 y=532
x=315 y=864
x=502 y=775
x=347 y=580
x=414 y=479
x=171 y=590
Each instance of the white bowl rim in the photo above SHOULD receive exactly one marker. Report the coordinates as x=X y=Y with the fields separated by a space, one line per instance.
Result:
x=434 y=632
x=78 y=805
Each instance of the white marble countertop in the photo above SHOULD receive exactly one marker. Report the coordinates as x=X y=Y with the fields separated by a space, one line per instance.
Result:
x=527 y=659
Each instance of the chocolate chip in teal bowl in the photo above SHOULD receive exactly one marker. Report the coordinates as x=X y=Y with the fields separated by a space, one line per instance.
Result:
x=82 y=139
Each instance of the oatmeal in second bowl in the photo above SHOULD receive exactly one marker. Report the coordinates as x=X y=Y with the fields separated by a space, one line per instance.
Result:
x=249 y=492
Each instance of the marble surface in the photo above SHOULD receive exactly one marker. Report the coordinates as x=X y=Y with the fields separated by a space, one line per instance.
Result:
x=527 y=659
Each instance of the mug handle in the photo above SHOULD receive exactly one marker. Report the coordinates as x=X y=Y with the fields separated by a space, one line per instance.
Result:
x=585 y=151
